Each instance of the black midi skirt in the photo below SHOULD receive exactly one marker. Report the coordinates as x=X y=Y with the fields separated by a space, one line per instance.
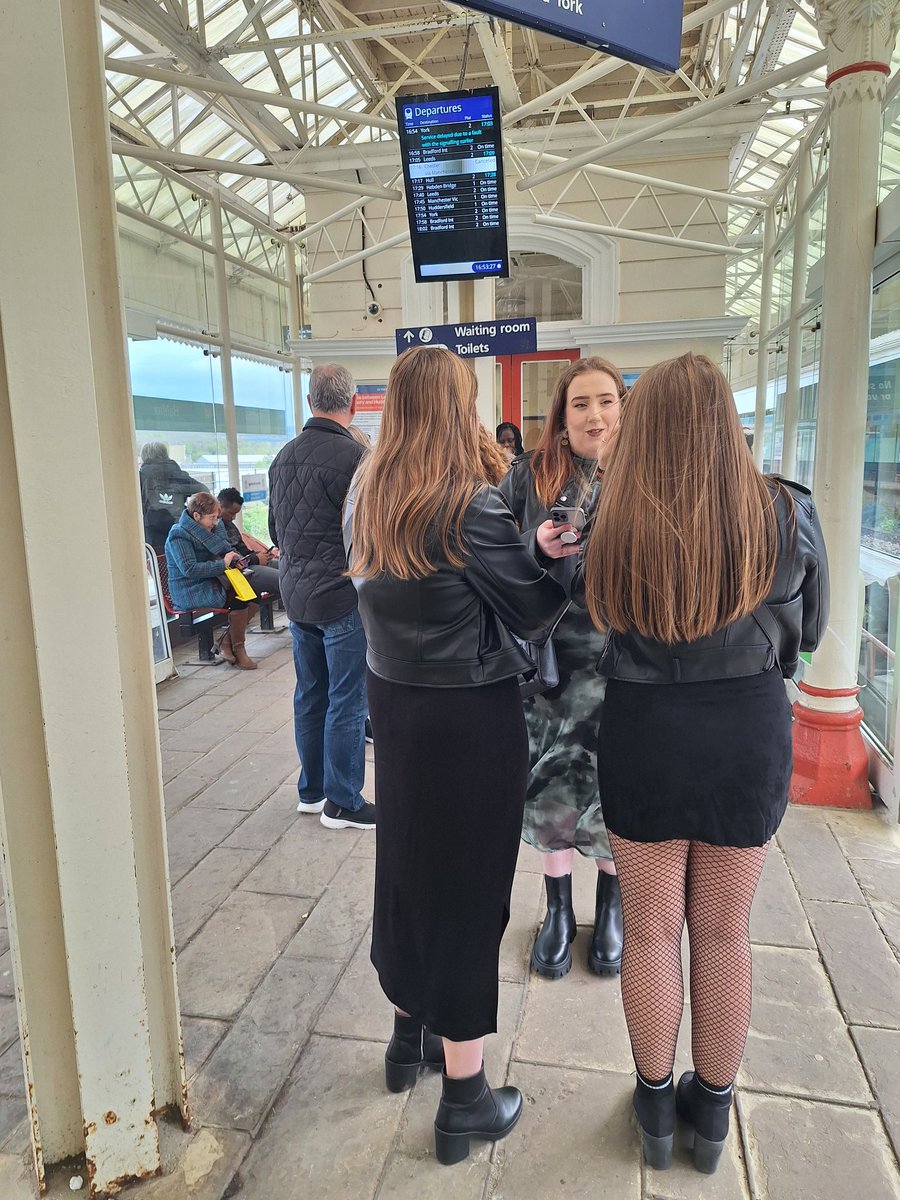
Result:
x=451 y=768
x=708 y=762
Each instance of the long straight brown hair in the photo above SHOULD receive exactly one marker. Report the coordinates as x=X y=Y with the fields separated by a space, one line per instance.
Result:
x=686 y=539
x=553 y=463
x=432 y=457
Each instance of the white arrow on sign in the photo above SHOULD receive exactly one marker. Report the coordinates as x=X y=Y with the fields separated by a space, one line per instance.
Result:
x=408 y=336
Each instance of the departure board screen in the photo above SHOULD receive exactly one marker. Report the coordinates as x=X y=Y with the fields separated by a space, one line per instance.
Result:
x=450 y=146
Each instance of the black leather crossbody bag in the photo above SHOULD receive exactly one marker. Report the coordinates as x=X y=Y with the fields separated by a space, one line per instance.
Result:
x=546 y=668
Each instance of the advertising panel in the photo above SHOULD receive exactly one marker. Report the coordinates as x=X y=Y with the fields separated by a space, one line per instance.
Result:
x=369 y=408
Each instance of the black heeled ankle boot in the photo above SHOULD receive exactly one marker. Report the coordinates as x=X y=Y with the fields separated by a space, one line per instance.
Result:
x=705 y=1110
x=411 y=1046
x=470 y=1108
x=654 y=1108
x=552 y=955
x=605 y=954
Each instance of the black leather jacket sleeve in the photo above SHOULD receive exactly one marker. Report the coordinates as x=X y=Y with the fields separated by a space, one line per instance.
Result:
x=505 y=575
x=816 y=587
x=516 y=486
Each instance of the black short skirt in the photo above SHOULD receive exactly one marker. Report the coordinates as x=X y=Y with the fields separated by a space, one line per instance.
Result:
x=709 y=762
x=451 y=768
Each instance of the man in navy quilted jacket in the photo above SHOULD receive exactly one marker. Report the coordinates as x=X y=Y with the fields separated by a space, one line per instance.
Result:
x=308 y=482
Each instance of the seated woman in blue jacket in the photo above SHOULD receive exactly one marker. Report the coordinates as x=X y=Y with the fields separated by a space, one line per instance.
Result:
x=198 y=553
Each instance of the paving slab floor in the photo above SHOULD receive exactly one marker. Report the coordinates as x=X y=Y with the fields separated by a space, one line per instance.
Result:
x=285 y=1026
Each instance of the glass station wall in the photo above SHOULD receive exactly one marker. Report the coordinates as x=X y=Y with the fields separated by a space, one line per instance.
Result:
x=880 y=525
x=880 y=536
x=175 y=351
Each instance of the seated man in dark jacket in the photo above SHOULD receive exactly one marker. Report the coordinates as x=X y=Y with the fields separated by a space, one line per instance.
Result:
x=308 y=482
x=262 y=575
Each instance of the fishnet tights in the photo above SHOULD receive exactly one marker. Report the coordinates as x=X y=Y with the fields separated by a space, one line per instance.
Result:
x=712 y=887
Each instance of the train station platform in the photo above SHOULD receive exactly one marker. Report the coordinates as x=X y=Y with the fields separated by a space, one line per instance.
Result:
x=285 y=1025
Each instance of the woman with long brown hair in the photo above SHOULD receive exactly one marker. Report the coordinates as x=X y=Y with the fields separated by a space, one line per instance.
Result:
x=443 y=577
x=710 y=579
x=563 y=811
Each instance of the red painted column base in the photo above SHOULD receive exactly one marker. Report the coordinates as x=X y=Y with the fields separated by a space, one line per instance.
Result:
x=831 y=766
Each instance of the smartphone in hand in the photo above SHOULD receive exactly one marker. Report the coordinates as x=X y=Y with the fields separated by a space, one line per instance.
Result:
x=561 y=515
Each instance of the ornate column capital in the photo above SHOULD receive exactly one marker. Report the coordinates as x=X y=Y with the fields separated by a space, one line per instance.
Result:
x=859 y=36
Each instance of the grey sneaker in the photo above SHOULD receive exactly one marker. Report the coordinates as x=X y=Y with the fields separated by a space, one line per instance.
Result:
x=335 y=817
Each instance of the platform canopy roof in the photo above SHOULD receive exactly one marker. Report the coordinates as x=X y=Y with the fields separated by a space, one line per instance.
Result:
x=257 y=94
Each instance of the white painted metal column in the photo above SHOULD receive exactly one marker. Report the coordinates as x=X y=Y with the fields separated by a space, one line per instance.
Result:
x=81 y=812
x=484 y=309
x=830 y=758
x=476 y=297
x=798 y=301
x=762 y=346
x=294 y=333
x=221 y=272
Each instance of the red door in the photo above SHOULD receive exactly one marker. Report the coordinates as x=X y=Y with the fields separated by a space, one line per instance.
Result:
x=527 y=387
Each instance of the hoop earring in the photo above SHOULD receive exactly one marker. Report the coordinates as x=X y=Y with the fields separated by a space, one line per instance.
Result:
x=564 y=440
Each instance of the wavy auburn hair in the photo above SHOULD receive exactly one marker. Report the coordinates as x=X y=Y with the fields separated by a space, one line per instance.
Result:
x=553 y=464
x=685 y=540
x=431 y=459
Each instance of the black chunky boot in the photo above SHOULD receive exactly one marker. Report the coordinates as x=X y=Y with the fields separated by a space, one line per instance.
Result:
x=654 y=1108
x=705 y=1111
x=411 y=1046
x=605 y=954
x=552 y=955
x=470 y=1108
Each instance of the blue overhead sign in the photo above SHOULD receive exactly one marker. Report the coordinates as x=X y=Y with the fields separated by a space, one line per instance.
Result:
x=641 y=31
x=474 y=339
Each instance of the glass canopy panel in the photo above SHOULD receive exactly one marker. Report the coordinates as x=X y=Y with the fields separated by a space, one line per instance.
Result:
x=283 y=46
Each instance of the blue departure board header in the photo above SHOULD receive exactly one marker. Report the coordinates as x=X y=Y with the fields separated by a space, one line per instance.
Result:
x=437 y=111
x=640 y=31
x=452 y=155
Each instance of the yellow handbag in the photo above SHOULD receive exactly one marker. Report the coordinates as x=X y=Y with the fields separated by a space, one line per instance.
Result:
x=240 y=583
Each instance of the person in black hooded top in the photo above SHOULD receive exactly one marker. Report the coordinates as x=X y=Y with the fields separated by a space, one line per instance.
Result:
x=164 y=489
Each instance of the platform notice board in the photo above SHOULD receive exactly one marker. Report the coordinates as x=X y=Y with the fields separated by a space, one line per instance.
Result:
x=255 y=486
x=369 y=409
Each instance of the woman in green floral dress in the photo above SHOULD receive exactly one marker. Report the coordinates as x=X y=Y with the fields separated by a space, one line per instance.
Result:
x=563 y=811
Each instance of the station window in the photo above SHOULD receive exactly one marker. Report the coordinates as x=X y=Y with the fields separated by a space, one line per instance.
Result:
x=880 y=534
x=177 y=392
x=178 y=400
x=809 y=399
x=264 y=409
x=540 y=285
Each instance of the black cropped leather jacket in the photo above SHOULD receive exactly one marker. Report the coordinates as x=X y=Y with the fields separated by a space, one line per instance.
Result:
x=796 y=617
x=452 y=628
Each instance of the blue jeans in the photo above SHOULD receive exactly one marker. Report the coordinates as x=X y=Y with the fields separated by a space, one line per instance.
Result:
x=330 y=709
